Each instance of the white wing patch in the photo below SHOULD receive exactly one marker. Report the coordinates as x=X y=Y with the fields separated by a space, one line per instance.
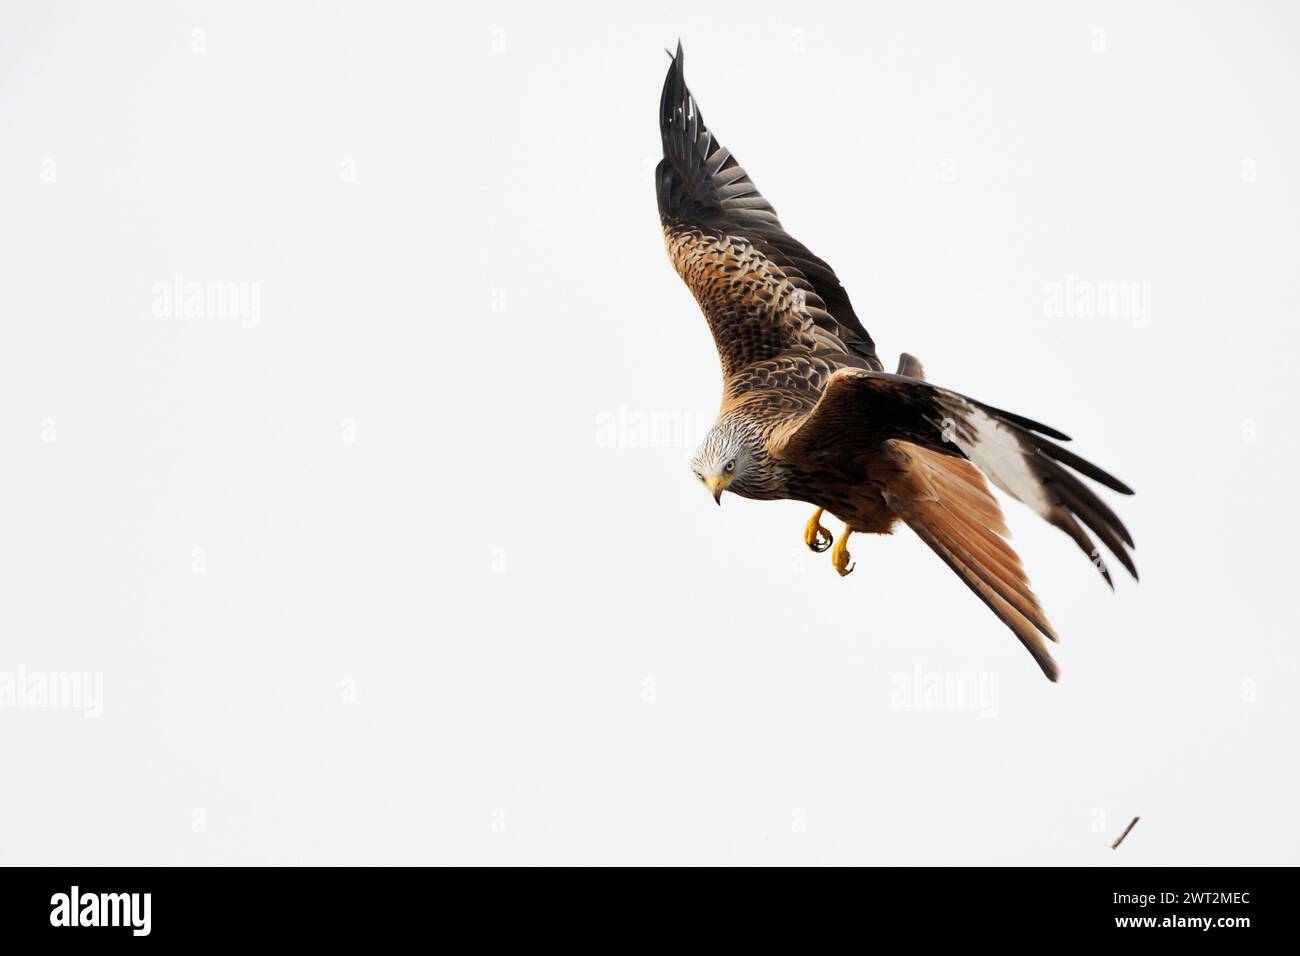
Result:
x=1000 y=454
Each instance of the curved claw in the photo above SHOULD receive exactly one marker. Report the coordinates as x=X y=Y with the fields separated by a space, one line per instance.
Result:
x=815 y=536
x=822 y=541
x=840 y=557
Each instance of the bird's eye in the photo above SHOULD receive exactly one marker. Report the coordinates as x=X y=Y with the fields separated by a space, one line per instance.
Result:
x=731 y=465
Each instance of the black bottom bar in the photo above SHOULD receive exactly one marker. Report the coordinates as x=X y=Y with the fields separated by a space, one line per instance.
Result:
x=1167 y=906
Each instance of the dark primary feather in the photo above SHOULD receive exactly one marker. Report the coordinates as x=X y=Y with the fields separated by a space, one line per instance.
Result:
x=698 y=177
x=701 y=186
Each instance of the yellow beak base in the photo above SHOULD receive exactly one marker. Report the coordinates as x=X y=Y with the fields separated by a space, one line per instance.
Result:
x=717 y=484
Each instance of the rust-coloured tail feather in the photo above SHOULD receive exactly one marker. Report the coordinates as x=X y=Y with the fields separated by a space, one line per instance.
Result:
x=947 y=503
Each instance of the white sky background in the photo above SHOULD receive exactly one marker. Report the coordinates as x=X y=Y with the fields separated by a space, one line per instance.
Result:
x=477 y=632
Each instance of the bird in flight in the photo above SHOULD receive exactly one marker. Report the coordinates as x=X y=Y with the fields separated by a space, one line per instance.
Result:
x=809 y=413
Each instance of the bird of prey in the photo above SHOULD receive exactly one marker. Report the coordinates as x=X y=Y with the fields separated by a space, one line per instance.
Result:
x=809 y=413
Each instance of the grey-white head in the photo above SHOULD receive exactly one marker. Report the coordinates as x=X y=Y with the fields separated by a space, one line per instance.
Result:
x=733 y=457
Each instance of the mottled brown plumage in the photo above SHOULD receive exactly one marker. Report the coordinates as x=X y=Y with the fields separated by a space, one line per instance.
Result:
x=809 y=414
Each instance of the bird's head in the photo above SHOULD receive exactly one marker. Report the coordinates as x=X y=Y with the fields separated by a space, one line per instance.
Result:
x=730 y=457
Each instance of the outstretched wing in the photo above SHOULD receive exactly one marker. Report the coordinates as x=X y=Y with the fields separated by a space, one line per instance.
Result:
x=925 y=440
x=762 y=291
x=1016 y=453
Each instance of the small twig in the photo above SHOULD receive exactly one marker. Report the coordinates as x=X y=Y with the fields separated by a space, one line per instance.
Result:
x=1115 y=845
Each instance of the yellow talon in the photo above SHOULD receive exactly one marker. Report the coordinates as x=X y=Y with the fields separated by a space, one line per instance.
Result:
x=814 y=535
x=840 y=556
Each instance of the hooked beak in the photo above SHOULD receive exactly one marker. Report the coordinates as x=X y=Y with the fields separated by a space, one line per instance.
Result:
x=718 y=485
